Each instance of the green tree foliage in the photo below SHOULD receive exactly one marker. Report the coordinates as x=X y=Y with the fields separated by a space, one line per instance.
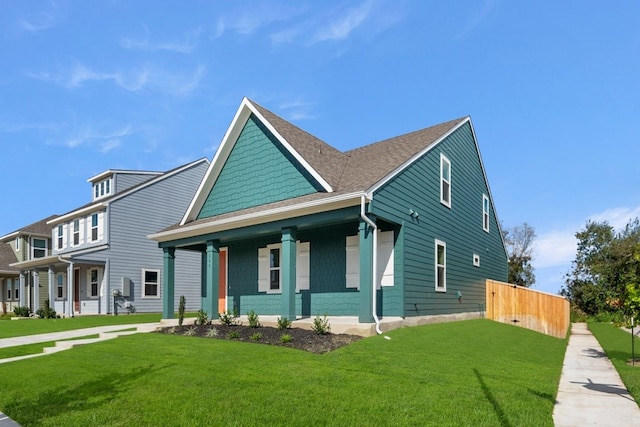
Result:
x=519 y=241
x=606 y=263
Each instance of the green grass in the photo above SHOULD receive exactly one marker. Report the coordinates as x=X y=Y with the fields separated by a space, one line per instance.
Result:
x=17 y=328
x=617 y=344
x=24 y=350
x=476 y=372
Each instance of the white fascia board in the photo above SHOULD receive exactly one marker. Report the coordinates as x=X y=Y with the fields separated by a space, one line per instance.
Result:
x=80 y=212
x=289 y=148
x=375 y=187
x=10 y=236
x=260 y=217
x=219 y=159
x=109 y=172
x=38 y=262
x=71 y=254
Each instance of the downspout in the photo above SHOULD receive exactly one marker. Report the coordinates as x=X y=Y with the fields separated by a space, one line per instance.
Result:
x=69 y=288
x=366 y=219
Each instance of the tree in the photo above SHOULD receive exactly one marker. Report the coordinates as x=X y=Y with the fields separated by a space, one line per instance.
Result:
x=519 y=241
x=606 y=264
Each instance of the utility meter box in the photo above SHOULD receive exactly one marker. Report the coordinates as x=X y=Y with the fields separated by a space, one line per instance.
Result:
x=126 y=287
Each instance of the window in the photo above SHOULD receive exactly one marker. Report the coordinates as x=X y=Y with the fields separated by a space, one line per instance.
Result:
x=476 y=260
x=108 y=183
x=150 y=283
x=96 y=191
x=60 y=237
x=9 y=293
x=94 y=227
x=38 y=248
x=93 y=282
x=60 y=286
x=102 y=189
x=17 y=244
x=16 y=291
x=76 y=232
x=485 y=213
x=445 y=181
x=441 y=266
x=274 y=269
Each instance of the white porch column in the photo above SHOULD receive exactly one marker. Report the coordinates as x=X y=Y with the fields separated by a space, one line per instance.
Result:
x=70 y=290
x=21 y=297
x=36 y=290
x=52 y=287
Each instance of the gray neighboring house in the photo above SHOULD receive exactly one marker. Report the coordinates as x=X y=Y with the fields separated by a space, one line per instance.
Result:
x=22 y=287
x=102 y=261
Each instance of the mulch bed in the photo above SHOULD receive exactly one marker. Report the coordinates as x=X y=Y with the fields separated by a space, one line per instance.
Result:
x=301 y=339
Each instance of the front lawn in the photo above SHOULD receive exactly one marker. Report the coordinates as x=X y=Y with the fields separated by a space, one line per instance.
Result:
x=465 y=373
x=617 y=344
x=17 y=328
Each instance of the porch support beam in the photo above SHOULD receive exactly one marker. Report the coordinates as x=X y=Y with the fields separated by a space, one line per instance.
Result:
x=211 y=270
x=168 y=282
x=36 y=290
x=70 y=293
x=365 y=311
x=288 y=272
x=52 y=286
x=21 y=293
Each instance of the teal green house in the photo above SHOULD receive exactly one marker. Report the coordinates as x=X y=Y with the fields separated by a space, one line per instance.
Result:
x=289 y=226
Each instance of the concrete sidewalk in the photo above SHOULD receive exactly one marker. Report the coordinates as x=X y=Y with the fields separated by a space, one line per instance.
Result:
x=591 y=391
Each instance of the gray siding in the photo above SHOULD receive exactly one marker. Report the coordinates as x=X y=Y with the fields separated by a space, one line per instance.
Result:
x=139 y=214
x=418 y=188
x=128 y=180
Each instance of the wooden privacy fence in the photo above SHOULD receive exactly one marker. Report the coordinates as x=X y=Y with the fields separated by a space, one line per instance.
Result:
x=527 y=308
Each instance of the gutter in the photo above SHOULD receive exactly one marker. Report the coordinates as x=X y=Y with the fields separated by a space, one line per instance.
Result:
x=368 y=220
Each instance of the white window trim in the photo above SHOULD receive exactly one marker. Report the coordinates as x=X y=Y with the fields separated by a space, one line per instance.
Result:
x=444 y=287
x=17 y=244
x=63 y=287
x=33 y=247
x=485 y=212
x=60 y=237
x=385 y=261
x=143 y=283
x=302 y=267
x=98 y=271
x=443 y=160
x=476 y=260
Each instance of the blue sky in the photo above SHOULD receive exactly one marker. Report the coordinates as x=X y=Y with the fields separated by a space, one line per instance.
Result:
x=551 y=87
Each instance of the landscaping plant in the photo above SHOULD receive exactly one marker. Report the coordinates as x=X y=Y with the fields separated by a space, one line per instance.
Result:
x=252 y=317
x=321 y=325
x=181 y=306
x=283 y=323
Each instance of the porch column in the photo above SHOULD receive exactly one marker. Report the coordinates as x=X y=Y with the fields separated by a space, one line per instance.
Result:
x=211 y=275
x=366 y=273
x=52 y=287
x=21 y=296
x=288 y=273
x=168 y=282
x=70 y=301
x=36 y=290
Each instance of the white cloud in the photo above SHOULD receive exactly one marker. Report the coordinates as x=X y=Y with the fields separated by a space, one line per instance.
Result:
x=618 y=218
x=110 y=145
x=132 y=81
x=344 y=25
x=478 y=17
x=106 y=140
x=186 y=44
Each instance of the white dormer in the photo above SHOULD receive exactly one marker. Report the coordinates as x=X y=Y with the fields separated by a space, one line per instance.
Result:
x=102 y=185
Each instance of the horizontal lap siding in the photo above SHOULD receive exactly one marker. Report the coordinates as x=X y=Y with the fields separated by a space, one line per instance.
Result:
x=418 y=188
x=128 y=180
x=144 y=212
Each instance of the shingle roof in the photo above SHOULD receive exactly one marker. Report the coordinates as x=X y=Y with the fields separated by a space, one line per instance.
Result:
x=7 y=256
x=38 y=228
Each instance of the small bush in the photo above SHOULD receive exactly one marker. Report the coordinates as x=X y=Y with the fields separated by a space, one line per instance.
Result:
x=283 y=323
x=202 y=318
x=233 y=335
x=321 y=326
x=190 y=332
x=212 y=333
x=181 y=307
x=256 y=337
x=286 y=338
x=254 y=322
x=22 y=311
x=46 y=312
x=229 y=318
x=172 y=330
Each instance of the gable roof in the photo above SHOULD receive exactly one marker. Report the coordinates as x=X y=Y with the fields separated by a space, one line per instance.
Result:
x=38 y=228
x=350 y=175
x=103 y=202
x=7 y=257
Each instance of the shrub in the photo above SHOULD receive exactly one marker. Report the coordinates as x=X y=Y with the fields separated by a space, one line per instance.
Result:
x=212 y=333
x=286 y=338
x=46 y=312
x=256 y=337
x=254 y=322
x=202 y=318
x=229 y=318
x=283 y=323
x=22 y=311
x=233 y=335
x=190 y=332
x=321 y=326
x=181 y=306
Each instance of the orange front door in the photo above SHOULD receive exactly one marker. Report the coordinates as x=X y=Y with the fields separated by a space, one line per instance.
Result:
x=76 y=290
x=222 y=283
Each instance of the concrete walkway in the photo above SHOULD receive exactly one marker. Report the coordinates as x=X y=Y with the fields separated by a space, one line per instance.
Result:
x=591 y=391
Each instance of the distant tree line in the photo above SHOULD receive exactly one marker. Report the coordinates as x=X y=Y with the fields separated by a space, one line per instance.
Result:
x=605 y=275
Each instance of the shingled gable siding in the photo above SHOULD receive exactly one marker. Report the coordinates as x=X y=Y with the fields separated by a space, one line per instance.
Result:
x=328 y=292
x=137 y=215
x=460 y=228
x=259 y=170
